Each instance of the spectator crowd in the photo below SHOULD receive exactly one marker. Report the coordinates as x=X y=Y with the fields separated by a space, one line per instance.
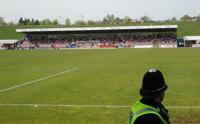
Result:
x=102 y=42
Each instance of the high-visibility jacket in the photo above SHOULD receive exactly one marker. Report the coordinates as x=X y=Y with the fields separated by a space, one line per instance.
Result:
x=140 y=109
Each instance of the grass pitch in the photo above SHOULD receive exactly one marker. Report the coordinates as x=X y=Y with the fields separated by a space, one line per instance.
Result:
x=104 y=77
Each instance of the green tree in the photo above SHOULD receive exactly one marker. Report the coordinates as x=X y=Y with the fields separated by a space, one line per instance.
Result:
x=20 y=22
x=127 y=20
x=67 y=22
x=55 y=22
x=37 y=22
x=145 y=18
x=2 y=22
x=46 y=22
x=109 y=19
x=32 y=21
x=174 y=19
x=198 y=18
x=26 y=21
x=118 y=20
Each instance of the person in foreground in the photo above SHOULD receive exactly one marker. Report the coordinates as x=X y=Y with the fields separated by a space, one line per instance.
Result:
x=149 y=109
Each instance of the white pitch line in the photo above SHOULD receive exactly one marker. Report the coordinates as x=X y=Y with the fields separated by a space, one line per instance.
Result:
x=66 y=105
x=184 y=107
x=40 y=79
x=91 y=106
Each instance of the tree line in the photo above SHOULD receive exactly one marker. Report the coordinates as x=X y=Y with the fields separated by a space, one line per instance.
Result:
x=108 y=19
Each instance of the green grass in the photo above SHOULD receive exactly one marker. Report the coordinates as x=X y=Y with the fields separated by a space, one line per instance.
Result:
x=9 y=32
x=188 y=28
x=105 y=77
x=184 y=28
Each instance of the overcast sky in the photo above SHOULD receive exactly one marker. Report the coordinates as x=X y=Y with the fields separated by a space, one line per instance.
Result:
x=97 y=9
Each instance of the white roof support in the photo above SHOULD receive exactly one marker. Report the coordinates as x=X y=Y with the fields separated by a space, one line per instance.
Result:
x=189 y=38
x=8 y=41
x=98 y=28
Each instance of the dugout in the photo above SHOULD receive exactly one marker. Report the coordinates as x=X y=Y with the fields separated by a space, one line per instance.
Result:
x=191 y=41
x=95 y=33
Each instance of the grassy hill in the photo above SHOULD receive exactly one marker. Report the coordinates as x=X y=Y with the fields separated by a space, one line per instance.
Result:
x=8 y=32
x=189 y=29
x=184 y=28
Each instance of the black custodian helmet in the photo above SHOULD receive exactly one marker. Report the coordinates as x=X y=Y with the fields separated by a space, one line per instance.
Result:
x=153 y=84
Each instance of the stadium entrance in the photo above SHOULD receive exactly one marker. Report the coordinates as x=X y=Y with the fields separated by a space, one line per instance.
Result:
x=101 y=37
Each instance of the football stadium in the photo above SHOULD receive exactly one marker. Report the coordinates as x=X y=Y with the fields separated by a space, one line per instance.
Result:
x=95 y=84
x=92 y=73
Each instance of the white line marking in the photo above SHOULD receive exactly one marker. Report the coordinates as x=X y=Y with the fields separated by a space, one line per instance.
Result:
x=184 y=107
x=40 y=79
x=92 y=106
x=65 y=105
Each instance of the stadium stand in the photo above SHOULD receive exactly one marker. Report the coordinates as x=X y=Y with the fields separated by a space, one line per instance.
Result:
x=163 y=36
